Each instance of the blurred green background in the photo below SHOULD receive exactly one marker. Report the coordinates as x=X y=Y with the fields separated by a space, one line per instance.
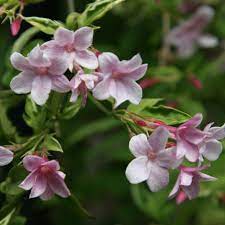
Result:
x=96 y=147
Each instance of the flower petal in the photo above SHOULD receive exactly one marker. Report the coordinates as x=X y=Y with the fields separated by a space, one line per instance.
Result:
x=193 y=135
x=58 y=185
x=175 y=188
x=74 y=96
x=41 y=88
x=37 y=58
x=48 y=194
x=212 y=150
x=32 y=162
x=60 y=84
x=19 y=62
x=6 y=156
x=52 y=164
x=86 y=59
x=158 y=178
x=194 y=121
x=39 y=186
x=64 y=36
x=22 y=83
x=127 y=66
x=138 y=73
x=192 y=190
x=167 y=158
x=208 y=41
x=58 y=65
x=186 y=179
x=139 y=145
x=158 y=139
x=101 y=90
x=83 y=38
x=218 y=132
x=29 y=181
x=108 y=62
x=137 y=170
x=206 y=177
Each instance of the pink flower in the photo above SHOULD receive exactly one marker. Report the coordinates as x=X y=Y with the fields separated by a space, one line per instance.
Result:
x=210 y=147
x=80 y=84
x=186 y=36
x=6 y=156
x=188 y=138
x=39 y=75
x=119 y=78
x=15 y=26
x=73 y=46
x=152 y=159
x=45 y=178
x=187 y=184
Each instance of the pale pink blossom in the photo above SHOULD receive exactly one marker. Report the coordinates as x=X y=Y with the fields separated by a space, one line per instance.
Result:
x=187 y=184
x=119 y=78
x=80 y=84
x=74 y=47
x=210 y=147
x=188 y=138
x=189 y=34
x=44 y=179
x=6 y=156
x=39 y=75
x=152 y=159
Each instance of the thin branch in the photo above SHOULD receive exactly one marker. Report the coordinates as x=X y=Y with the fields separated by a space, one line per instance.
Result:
x=71 y=5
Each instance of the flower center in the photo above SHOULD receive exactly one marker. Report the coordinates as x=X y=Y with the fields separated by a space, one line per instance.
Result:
x=45 y=170
x=152 y=155
x=69 y=48
x=42 y=70
x=116 y=75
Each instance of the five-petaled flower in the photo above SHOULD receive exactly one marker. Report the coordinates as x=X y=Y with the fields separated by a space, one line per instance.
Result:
x=119 y=78
x=40 y=74
x=187 y=184
x=73 y=46
x=6 y=156
x=189 y=34
x=45 y=178
x=152 y=159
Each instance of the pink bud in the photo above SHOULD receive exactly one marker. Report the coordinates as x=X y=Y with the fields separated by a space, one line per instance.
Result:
x=15 y=26
x=195 y=82
x=140 y=123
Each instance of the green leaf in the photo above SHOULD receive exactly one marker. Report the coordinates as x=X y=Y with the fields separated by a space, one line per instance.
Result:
x=145 y=103
x=96 y=10
x=35 y=116
x=166 y=114
x=52 y=144
x=6 y=220
x=45 y=25
x=71 y=109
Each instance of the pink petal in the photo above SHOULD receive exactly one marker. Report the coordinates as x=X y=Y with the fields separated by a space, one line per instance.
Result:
x=192 y=191
x=22 y=83
x=192 y=135
x=186 y=179
x=52 y=164
x=61 y=174
x=194 y=121
x=37 y=58
x=32 y=162
x=108 y=62
x=158 y=178
x=175 y=188
x=41 y=88
x=58 y=66
x=206 y=177
x=138 y=73
x=212 y=150
x=89 y=80
x=139 y=145
x=60 y=84
x=52 y=49
x=86 y=59
x=74 y=95
x=6 y=156
x=101 y=91
x=29 y=181
x=218 y=133
x=167 y=158
x=127 y=66
x=64 y=36
x=19 y=62
x=48 y=194
x=58 y=185
x=158 y=139
x=137 y=170
x=125 y=89
x=39 y=186
x=83 y=38
x=208 y=41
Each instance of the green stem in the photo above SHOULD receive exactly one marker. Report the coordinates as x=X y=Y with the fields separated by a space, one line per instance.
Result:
x=71 y=6
x=99 y=105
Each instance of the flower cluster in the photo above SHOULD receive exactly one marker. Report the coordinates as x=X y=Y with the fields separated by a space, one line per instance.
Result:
x=104 y=74
x=155 y=156
x=189 y=34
